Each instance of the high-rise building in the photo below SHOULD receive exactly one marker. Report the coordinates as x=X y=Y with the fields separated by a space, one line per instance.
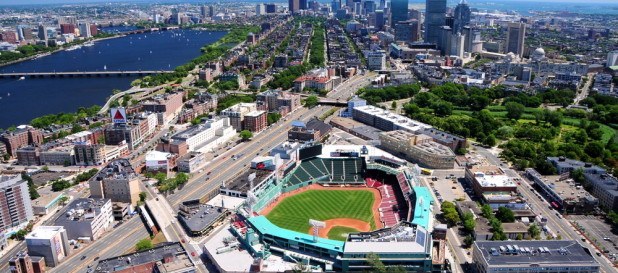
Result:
x=515 y=35
x=15 y=206
x=204 y=11
x=336 y=5
x=260 y=9
x=462 y=17
x=293 y=5
x=379 y=18
x=211 y=11
x=407 y=31
x=612 y=58
x=369 y=7
x=49 y=242
x=399 y=11
x=67 y=28
x=271 y=8
x=435 y=17
x=84 y=30
x=302 y=4
x=42 y=33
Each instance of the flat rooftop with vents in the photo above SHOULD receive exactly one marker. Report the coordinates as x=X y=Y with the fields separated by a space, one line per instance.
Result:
x=164 y=257
x=546 y=256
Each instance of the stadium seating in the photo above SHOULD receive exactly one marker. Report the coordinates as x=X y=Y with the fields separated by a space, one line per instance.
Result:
x=387 y=214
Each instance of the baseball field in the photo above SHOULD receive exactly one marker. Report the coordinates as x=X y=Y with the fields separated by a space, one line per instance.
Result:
x=343 y=206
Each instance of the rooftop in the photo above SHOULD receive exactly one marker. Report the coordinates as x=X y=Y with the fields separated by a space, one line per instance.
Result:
x=82 y=209
x=9 y=180
x=399 y=121
x=196 y=129
x=403 y=238
x=422 y=208
x=421 y=141
x=197 y=217
x=118 y=169
x=525 y=253
x=604 y=181
x=264 y=226
x=174 y=253
x=256 y=113
x=44 y=232
x=563 y=162
x=491 y=176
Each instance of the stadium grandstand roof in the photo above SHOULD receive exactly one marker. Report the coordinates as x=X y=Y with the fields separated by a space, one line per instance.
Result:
x=422 y=208
x=264 y=226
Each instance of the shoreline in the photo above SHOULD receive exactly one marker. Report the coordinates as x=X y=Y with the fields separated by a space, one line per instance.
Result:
x=119 y=35
x=40 y=55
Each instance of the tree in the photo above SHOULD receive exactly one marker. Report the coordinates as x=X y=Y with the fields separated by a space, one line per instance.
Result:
x=594 y=149
x=31 y=187
x=311 y=101
x=487 y=211
x=63 y=200
x=468 y=222
x=534 y=231
x=468 y=240
x=375 y=263
x=505 y=215
x=514 y=110
x=450 y=213
x=490 y=140
x=143 y=244
x=60 y=184
x=245 y=135
x=142 y=196
x=394 y=105
x=181 y=178
x=442 y=109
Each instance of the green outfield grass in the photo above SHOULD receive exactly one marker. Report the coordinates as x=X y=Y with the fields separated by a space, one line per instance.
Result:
x=294 y=212
x=340 y=233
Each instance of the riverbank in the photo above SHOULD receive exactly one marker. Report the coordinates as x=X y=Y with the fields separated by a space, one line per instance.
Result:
x=72 y=96
x=59 y=49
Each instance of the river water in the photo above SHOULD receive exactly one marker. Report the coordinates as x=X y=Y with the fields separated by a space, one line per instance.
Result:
x=23 y=100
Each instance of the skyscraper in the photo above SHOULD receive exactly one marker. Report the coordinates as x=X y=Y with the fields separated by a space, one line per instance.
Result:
x=399 y=11
x=294 y=5
x=302 y=4
x=435 y=17
x=204 y=11
x=42 y=33
x=211 y=11
x=379 y=15
x=271 y=8
x=515 y=35
x=462 y=17
x=407 y=31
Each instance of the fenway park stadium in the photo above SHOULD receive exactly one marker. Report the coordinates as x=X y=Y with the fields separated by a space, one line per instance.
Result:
x=327 y=208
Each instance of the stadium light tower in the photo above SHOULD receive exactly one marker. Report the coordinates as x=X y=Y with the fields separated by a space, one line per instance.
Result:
x=316 y=226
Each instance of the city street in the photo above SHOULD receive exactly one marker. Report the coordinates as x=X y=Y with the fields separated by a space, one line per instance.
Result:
x=221 y=169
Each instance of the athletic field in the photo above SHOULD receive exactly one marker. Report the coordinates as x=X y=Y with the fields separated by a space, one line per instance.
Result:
x=294 y=211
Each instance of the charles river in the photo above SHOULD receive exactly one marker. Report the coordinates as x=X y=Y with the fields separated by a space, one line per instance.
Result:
x=23 y=100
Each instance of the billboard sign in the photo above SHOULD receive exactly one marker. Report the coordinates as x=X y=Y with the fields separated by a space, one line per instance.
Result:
x=119 y=115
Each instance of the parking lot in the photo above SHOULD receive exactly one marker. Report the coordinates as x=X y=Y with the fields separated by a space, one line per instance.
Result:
x=42 y=178
x=598 y=231
x=447 y=185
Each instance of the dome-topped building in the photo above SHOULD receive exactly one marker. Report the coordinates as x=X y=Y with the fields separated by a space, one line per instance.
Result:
x=538 y=54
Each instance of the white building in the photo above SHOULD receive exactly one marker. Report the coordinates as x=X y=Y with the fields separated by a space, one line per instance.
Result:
x=376 y=60
x=49 y=242
x=158 y=161
x=260 y=9
x=206 y=136
x=612 y=58
x=87 y=218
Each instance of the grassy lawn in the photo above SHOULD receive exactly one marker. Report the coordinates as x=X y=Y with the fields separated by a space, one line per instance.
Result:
x=340 y=233
x=294 y=212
